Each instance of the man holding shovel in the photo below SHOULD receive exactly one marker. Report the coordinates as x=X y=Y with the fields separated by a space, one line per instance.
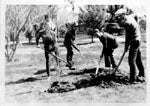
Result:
x=48 y=35
x=109 y=44
x=69 y=42
x=132 y=43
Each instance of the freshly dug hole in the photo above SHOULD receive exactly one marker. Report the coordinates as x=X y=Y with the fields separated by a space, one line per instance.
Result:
x=88 y=78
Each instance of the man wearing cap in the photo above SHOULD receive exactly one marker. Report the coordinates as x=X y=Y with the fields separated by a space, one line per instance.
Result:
x=49 y=40
x=69 y=42
x=109 y=44
x=132 y=43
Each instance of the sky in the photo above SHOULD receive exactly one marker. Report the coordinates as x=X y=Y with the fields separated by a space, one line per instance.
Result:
x=67 y=15
x=140 y=10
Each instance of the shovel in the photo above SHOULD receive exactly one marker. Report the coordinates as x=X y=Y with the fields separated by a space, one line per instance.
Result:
x=115 y=69
x=55 y=57
x=97 y=68
x=80 y=54
x=83 y=58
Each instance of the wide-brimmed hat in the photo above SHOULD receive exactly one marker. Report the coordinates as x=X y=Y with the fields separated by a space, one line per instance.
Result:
x=121 y=12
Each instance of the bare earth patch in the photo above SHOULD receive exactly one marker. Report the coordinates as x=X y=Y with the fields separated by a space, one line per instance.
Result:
x=26 y=79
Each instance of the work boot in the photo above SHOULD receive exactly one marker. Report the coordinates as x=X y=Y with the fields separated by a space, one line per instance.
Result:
x=68 y=65
x=140 y=79
x=132 y=80
x=114 y=66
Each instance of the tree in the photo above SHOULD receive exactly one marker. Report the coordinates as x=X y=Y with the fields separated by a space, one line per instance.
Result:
x=19 y=19
x=37 y=16
x=92 y=16
x=111 y=9
x=65 y=14
x=15 y=22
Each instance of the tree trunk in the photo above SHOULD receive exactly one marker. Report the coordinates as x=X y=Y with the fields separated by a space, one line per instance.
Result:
x=11 y=55
x=92 y=39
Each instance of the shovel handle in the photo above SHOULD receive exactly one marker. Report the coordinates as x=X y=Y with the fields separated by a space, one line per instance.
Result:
x=55 y=56
x=83 y=58
x=97 y=68
x=115 y=69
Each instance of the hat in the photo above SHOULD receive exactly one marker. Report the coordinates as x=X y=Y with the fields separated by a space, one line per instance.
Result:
x=121 y=12
x=96 y=30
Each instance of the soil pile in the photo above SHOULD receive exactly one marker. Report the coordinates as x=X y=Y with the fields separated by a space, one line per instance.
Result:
x=102 y=80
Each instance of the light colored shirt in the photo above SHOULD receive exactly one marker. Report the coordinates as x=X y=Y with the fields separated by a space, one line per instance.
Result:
x=132 y=30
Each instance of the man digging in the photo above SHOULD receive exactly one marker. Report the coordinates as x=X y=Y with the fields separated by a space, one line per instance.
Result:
x=109 y=44
x=132 y=43
x=46 y=32
x=69 y=42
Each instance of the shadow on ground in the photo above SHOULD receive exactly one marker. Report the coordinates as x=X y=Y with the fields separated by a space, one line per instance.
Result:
x=101 y=80
x=84 y=71
x=29 y=79
x=43 y=71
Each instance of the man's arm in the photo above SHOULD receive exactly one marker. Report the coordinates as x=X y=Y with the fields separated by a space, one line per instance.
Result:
x=42 y=27
x=73 y=40
x=42 y=30
x=127 y=43
x=74 y=45
x=104 y=42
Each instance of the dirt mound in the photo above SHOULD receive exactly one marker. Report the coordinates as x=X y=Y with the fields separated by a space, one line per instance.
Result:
x=102 y=80
x=59 y=87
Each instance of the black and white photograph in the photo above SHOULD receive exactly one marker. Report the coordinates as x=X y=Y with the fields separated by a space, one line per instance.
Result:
x=74 y=52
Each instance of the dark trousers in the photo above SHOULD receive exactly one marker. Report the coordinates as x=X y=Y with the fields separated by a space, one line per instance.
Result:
x=134 y=60
x=109 y=59
x=47 y=51
x=47 y=62
x=69 y=54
